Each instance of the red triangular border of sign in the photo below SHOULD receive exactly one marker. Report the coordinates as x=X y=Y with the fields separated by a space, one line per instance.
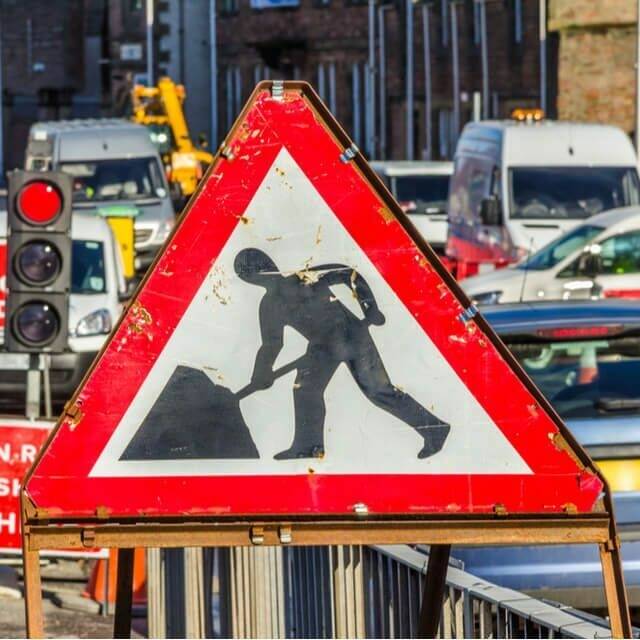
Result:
x=564 y=478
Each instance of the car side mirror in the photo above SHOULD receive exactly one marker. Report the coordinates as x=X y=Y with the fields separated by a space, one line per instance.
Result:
x=491 y=211
x=590 y=264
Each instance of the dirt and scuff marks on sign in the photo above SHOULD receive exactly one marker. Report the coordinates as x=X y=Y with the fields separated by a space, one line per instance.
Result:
x=139 y=320
x=319 y=234
x=307 y=275
x=561 y=444
x=245 y=219
x=219 y=286
x=273 y=238
x=386 y=214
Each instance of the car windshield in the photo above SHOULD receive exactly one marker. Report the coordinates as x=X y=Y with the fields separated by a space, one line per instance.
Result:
x=126 y=179
x=87 y=267
x=423 y=194
x=557 y=193
x=585 y=379
x=557 y=250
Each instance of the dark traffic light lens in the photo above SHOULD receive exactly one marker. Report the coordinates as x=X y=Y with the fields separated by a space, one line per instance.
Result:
x=38 y=263
x=36 y=324
x=39 y=203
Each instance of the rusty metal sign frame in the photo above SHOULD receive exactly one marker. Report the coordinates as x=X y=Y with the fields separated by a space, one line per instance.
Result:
x=42 y=531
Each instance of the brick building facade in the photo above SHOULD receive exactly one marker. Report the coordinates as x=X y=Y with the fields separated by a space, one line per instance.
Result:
x=100 y=50
x=50 y=58
x=597 y=53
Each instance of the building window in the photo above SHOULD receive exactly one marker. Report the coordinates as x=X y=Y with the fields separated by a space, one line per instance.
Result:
x=135 y=5
x=228 y=7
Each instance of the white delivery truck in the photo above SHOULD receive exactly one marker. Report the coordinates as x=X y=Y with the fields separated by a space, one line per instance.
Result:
x=518 y=185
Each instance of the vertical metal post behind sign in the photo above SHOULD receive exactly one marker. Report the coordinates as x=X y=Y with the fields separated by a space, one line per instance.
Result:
x=382 y=81
x=150 y=20
x=371 y=71
x=456 y=72
x=485 y=58
x=409 y=79
x=32 y=400
x=426 y=39
x=543 y=54
x=213 y=63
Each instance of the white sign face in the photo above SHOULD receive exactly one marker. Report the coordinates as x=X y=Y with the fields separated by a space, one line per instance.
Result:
x=370 y=388
x=130 y=51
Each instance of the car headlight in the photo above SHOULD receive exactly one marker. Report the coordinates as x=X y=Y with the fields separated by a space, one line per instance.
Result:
x=96 y=323
x=164 y=230
x=487 y=297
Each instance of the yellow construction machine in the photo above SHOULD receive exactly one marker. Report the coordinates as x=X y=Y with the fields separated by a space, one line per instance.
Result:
x=160 y=109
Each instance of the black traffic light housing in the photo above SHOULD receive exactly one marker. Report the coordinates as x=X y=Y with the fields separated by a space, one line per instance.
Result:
x=38 y=261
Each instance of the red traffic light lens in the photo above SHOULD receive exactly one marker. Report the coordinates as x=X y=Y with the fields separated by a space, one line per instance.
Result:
x=39 y=203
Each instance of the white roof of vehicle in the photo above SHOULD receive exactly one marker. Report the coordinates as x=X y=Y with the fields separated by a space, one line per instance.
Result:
x=88 y=124
x=95 y=139
x=412 y=168
x=552 y=143
x=617 y=219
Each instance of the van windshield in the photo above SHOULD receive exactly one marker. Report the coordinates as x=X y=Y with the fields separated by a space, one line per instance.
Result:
x=422 y=194
x=557 y=250
x=125 y=179
x=557 y=193
x=87 y=267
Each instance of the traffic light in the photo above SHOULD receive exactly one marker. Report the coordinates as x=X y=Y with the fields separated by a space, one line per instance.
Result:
x=38 y=261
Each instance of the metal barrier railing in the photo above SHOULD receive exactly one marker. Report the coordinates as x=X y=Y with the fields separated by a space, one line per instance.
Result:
x=343 y=591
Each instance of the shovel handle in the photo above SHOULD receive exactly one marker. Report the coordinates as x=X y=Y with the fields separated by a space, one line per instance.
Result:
x=278 y=373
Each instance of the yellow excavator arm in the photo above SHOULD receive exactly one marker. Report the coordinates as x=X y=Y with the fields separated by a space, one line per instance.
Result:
x=162 y=106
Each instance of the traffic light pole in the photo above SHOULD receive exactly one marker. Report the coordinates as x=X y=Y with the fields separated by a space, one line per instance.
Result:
x=37 y=374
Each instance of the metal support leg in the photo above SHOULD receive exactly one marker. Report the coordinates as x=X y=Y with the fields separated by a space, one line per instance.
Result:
x=32 y=404
x=434 y=587
x=32 y=593
x=46 y=384
x=614 y=588
x=124 y=594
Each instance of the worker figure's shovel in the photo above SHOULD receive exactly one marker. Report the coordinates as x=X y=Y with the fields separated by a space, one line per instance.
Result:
x=195 y=418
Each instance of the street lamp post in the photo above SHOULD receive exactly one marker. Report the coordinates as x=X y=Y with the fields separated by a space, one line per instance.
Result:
x=1 y=111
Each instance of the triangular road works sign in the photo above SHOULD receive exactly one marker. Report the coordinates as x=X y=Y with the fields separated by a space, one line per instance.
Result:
x=298 y=349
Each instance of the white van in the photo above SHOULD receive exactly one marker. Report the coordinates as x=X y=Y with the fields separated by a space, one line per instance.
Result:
x=95 y=304
x=518 y=185
x=116 y=169
x=422 y=189
x=598 y=259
